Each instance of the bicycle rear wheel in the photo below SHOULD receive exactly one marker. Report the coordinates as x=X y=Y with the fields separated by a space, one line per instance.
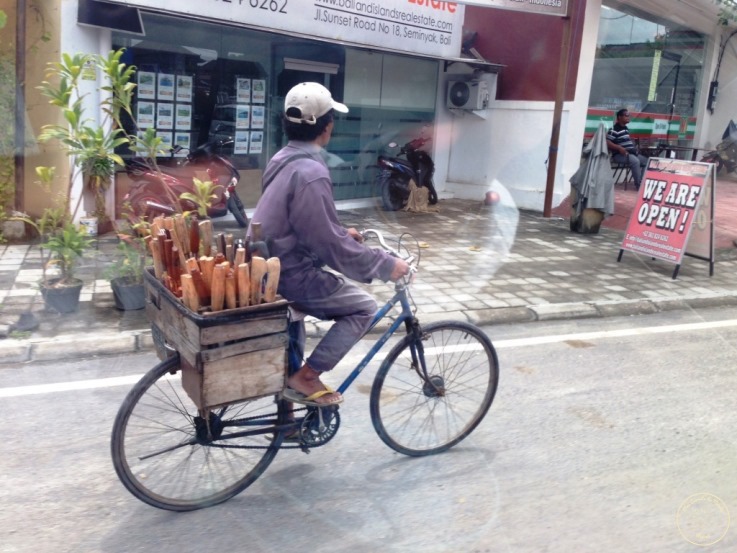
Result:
x=416 y=417
x=166 y=455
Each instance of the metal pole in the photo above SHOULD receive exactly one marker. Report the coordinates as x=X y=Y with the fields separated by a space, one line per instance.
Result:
x=20 y=96
x=560 y=93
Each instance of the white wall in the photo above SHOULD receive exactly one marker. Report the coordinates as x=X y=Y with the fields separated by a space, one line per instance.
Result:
x=725 y=107
x=510 y=142
x=82 y=39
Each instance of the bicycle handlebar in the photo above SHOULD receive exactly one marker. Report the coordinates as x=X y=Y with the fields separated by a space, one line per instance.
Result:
x=380 y=237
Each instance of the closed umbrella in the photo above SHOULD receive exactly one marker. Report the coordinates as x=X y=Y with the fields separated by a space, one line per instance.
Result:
x=594 y=182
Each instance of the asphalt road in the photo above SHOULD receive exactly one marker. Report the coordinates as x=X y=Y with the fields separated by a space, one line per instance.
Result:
x=606 y=435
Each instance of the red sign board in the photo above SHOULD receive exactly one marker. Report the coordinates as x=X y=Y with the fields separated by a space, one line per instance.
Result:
x=670 y=195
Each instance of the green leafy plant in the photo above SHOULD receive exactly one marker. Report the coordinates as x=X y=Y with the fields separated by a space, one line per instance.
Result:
x=727 y=11
x=203 y=195
x=132 y=253
x=62 y=242
x=66 y=246
x=148 y=146
x=130 y=262
x=90 y=147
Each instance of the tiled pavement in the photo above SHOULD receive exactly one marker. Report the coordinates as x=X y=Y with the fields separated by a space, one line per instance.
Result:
x=477 y=263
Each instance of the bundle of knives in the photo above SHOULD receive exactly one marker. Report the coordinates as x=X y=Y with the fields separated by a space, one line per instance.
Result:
x=211 y=273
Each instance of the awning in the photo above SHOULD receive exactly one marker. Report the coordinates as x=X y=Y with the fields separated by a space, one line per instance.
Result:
x=110 y=16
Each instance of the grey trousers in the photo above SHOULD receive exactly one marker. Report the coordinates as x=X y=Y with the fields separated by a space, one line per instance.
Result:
x=636 y=163
x=351 y=308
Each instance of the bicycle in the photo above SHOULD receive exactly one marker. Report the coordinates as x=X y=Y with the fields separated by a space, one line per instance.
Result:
x=431 y=391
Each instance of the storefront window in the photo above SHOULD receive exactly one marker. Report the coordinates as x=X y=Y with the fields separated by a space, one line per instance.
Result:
x=201 y=82
x=651 y=67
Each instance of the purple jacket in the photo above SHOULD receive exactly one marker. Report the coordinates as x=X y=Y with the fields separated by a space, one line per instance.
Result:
x=298 y=219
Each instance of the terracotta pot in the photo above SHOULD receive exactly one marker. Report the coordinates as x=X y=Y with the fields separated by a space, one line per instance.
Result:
x=62 y=299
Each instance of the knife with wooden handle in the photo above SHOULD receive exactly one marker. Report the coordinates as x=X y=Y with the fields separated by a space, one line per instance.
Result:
x=207 y=264
x=194 y=236
x=169 y=256
x=156 y=254
x=203 y=293
x=243 y=277
x=240 y=257
x=273 y=268
x=177 y=239
x=220 y=239
x=206 y=237
x=230 y=290
x=257 y=244
x=189 y=294
x=258 y=271
x=217 y=294
x=157 y=225
x=180 y=228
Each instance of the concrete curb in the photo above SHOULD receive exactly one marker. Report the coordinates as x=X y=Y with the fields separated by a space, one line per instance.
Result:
x=80 y=346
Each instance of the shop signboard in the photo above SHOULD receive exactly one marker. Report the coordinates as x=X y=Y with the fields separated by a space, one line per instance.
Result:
x=545 y=7
x=429 y=28
x=673 y=213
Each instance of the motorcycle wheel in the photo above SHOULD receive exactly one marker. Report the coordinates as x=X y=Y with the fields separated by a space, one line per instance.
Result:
x=393 y=193
x=235 y=206
x=143 y=210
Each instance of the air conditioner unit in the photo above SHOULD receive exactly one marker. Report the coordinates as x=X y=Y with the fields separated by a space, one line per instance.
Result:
x=473 y=95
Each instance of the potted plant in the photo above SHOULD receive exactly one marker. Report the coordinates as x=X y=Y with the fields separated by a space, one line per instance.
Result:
x=62 y=245
x=126 y=272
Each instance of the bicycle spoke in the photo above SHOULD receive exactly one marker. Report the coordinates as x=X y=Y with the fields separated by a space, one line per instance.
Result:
x=164 y=460
x=416 y=417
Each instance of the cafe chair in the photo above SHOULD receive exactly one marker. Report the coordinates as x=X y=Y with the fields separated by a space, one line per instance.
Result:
x=621 y=173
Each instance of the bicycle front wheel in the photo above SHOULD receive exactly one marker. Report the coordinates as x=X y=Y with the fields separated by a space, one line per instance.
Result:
x=170 y=457
x=418 y=416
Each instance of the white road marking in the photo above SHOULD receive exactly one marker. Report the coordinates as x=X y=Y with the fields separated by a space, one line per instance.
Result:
x=70 y=386
x=19 y=391
x=534 y=341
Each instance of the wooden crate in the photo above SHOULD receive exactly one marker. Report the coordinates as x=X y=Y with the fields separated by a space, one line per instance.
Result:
x=226 y=356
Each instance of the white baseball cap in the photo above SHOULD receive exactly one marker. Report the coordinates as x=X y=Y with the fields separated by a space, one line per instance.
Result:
x=306 y=102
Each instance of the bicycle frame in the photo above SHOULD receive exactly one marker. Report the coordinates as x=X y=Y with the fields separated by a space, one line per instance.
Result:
x=406 y=317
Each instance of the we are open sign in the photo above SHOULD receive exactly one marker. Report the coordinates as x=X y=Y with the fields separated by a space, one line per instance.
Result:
x=670 y=200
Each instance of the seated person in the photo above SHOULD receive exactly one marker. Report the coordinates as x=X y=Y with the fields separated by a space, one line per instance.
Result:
x=623 y=148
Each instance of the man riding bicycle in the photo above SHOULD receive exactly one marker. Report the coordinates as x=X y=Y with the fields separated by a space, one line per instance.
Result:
x=298 y=216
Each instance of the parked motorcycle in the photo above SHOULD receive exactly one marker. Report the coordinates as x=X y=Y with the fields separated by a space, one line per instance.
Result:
x=155 y=191
x=395 y=174
x=725 y=154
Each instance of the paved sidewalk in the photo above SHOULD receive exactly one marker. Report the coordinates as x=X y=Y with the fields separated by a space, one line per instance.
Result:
x=481 y=264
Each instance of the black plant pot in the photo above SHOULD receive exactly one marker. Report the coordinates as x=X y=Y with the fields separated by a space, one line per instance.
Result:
x=128 y=297
x=62 y=299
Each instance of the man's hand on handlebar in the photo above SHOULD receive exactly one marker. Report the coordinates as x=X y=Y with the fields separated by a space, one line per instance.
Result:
x=401 y=268
x=356 y=235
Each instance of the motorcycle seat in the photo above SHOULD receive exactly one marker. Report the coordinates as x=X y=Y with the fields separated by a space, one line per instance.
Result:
x=398 y=161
